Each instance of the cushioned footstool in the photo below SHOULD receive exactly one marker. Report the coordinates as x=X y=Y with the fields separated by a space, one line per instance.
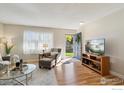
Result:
x=46 y=63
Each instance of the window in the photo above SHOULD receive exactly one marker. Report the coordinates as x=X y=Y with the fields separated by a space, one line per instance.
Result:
x=34 y=41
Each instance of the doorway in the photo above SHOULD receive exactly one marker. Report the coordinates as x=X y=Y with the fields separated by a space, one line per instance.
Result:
x=69 y=45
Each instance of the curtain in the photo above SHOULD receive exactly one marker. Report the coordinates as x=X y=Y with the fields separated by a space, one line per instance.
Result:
x=34 y=41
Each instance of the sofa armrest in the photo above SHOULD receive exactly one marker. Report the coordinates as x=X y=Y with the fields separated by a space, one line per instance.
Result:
x=58 y=57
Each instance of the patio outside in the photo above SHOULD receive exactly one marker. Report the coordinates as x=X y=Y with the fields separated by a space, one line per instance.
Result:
x=69 y=45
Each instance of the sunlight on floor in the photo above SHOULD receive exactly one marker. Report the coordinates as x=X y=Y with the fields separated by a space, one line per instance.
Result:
x=59 y=67
x=64 y=60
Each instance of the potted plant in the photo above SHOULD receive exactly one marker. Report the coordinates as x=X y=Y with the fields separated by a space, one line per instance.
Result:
x=8 y=48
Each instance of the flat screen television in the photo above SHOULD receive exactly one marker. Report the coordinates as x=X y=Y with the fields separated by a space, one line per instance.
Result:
x=95 y=46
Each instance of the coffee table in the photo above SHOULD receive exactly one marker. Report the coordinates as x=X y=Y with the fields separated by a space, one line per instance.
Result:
x=15 y=74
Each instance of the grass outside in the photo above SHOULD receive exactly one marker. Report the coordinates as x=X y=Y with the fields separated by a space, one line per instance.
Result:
x=69 y=54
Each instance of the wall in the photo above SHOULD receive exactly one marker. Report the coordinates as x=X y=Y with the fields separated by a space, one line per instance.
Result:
x=16 y=33
x=111 y=28
x=1 y=35
x=1 y=30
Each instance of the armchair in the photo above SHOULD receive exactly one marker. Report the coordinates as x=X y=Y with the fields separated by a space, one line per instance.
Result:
x=55 y=53
x=54 y=57
x=4 y=62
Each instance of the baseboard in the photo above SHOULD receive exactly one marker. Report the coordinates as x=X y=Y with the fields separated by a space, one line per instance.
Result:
x=117 y=74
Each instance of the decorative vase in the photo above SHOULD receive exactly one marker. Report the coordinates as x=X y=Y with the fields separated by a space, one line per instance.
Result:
x=7 y=54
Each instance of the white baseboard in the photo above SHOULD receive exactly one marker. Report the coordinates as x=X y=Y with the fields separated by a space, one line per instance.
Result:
x=117 y=74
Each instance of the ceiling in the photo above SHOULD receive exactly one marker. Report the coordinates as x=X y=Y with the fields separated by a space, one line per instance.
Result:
x=68 y=16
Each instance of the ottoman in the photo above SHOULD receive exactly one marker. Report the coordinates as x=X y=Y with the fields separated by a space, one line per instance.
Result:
x=47 y=63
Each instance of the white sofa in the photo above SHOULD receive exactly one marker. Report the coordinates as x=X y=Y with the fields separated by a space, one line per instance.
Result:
x=2 y=62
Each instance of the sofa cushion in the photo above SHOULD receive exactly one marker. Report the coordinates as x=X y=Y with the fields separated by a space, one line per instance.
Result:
x=54 y=53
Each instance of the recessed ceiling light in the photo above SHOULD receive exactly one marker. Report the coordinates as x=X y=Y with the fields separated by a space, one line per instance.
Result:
x=81 y=23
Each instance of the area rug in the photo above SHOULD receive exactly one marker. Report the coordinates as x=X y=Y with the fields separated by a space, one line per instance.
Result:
x=39 y=77
x=43 y=77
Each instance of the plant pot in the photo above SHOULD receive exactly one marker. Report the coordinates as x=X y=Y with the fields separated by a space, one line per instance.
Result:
x=8 y=55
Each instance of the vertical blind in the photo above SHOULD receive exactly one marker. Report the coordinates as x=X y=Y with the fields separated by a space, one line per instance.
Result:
x=33 y=41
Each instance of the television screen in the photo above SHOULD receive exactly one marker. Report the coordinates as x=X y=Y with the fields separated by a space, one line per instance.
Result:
x=96 y=46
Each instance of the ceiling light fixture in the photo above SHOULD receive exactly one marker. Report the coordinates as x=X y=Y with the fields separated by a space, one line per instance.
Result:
x=81 y=23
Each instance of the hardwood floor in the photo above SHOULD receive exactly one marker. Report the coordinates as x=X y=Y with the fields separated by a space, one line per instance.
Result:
x=74 y=73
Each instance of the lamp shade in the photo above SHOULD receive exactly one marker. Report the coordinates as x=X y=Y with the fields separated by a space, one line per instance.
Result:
x=45 y=45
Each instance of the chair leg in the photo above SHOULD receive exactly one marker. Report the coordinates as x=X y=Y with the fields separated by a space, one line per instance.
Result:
x=49 y=68
x=39 y=66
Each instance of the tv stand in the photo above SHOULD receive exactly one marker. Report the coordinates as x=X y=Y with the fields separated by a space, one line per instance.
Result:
x=100 y=64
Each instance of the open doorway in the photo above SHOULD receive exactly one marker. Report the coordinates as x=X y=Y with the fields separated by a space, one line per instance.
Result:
x=69 y=45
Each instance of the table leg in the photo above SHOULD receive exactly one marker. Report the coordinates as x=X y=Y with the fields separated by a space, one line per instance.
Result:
x=26 y=79
x=18 y=81
x=31 y=75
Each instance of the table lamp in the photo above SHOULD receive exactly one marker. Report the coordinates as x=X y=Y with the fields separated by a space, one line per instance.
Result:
x=45 y=46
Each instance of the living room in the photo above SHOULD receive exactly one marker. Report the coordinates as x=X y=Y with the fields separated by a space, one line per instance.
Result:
x=31 y=31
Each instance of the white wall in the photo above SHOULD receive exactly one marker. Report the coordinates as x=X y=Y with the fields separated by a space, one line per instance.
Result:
x=16 y=32
x=1 y=35
x=1 y=30
x=111 y=28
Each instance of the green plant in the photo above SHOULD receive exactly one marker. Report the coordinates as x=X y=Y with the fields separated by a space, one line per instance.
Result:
x=69 y=38
x=8 y=48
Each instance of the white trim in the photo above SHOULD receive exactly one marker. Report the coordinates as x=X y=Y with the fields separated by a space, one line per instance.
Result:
x=117 y=74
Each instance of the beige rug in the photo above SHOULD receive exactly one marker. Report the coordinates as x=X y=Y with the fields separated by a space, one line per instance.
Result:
x=39 y=77
x=43 y=77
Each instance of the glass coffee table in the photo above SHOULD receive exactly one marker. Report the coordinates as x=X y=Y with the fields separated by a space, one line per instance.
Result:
x=14 y=74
